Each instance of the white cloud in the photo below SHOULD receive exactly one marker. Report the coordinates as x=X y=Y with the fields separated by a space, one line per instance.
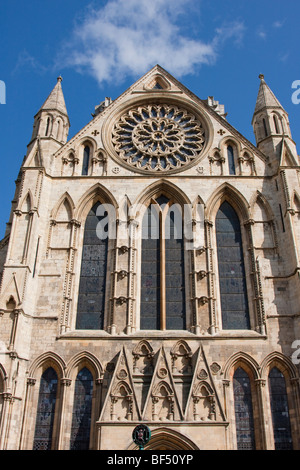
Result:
x=128 y=37
x=27 y=61
x=278 y=24
x=261 y=33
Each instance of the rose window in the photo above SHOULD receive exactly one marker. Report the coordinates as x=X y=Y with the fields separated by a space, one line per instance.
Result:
x=158 y=137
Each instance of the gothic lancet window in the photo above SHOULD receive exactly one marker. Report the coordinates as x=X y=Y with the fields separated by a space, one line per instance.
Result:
x=265 y=128
x=82 y=408
x=233 y=290
x=45 y=411
x=162 y=269
x=280 y=411
x=243 y=410
x=276 y=124
x=47 y=127
x=91 y=297
x=86 y=160
x=230 y=156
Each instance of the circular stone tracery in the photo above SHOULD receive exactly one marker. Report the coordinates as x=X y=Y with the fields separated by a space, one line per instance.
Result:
x=158 y=137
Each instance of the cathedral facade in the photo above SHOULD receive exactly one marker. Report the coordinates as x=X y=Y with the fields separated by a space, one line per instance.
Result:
x=150 y=274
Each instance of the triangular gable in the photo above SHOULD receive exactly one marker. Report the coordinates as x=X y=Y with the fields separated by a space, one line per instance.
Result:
x=162 y=402
x=34 y=158
x=120 y=403
x=12 y=287
x=203 y=402
x=286 y=156
x=170 y=86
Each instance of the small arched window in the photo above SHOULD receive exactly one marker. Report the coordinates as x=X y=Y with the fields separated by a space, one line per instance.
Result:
x=86 y=160
x=47 y=127
x=162 y=269
x=232 y=278
x=276 y=124
x=280 y=411
x=58 y=130
x=243 y=410
x=91 y=297
x=265 y=127
x=82 y=409
x=46 y=411
x=230 y=156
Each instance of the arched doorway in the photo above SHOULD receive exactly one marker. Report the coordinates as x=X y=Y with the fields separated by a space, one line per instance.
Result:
x=168 y=439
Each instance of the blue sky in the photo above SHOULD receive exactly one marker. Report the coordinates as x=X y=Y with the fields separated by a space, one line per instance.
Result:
x=214 y=47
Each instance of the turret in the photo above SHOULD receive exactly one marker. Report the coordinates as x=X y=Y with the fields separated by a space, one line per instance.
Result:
x=271 y=125
x=51 y=123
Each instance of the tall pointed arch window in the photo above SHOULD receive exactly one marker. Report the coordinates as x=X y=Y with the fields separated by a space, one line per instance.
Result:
x=280 y=410
x=275 y=119
x=47 y=127
x=243 y=410
x=230 y=156
x=265 y=127
x=162 y=267
x=232 y=278
x=82 y=409
x=86 y=160
x=91 y=297
x=45 y=411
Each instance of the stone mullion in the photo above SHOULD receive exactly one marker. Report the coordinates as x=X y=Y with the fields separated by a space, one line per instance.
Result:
x=62 y=425
x=8 y=401
x=69 y=275
x=210 y=277
x=111 y=326
x=163 y=319
x=262 y=413
x=195 y=316
x=256 y=282
x=131 y=278
x=229 y=412
x=241 y=160
x=27 y=431
x=5 y=415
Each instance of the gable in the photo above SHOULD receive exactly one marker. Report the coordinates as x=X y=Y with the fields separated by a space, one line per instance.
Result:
x=158 y=127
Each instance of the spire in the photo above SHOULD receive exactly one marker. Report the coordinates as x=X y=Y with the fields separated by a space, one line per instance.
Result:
x=265 y=98
x=56 y=100
x=271 y=124
x=51 y=122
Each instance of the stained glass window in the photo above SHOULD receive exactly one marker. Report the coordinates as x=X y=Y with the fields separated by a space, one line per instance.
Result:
x=231 y=164
x=150 y=272
x=45 y=411
x=174 y=262
x=162 y=270
x=233 y=291
x=280 y=411
x=82 y=408
x=86 y=160
x=243 y=410
x=91 y=298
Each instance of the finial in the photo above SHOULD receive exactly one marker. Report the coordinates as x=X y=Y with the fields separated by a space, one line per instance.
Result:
x=59 y=79
x=261 y=76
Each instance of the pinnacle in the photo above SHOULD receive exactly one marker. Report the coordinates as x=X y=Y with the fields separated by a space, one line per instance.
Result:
x=55 y=100
x=265 y=97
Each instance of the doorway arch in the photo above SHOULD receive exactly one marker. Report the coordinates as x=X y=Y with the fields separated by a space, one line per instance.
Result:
x=168 y=439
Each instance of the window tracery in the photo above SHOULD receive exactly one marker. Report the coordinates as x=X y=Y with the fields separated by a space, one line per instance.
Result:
x=158 y=137
x=162 y=267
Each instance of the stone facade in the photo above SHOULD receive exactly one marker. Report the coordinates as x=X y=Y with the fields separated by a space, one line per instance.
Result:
x=157 y=139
